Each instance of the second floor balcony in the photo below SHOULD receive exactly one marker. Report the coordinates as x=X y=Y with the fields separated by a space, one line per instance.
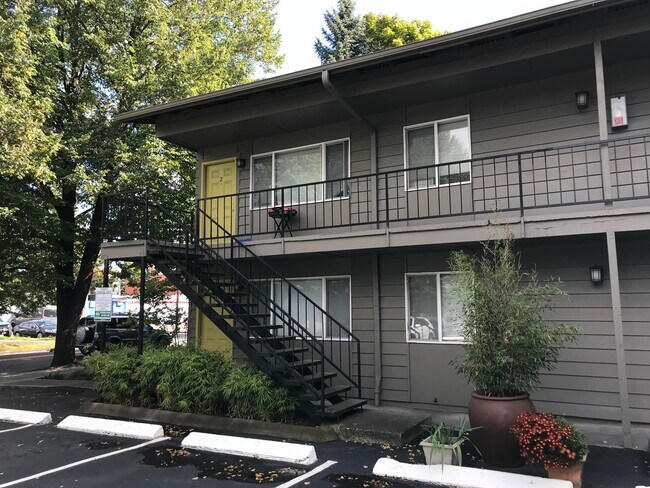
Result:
x=554 y=180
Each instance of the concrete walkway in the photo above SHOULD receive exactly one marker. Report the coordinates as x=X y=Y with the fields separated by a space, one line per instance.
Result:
x=598 y=433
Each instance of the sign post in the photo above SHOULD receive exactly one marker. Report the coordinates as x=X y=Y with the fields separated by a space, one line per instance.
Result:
x=103 y=311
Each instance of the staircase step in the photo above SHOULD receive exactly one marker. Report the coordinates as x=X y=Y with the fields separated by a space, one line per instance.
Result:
x=315 y=377
x=304 y=363
x=249 y=315
x=341 y=408
x=295 y=350
x=330 y=391
x=276 y=338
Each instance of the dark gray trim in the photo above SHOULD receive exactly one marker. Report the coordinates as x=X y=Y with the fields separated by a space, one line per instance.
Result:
x=619 y=337
x=602 y=121
x=376 y=290
x=554 y=13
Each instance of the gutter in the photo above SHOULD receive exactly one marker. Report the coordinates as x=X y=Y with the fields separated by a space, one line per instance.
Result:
x=327 y=84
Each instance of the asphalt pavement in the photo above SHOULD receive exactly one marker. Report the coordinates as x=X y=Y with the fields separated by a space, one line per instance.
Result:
x=80 y=459
x=24 y=362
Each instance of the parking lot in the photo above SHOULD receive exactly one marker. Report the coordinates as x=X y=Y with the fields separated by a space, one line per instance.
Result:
x=46 y=456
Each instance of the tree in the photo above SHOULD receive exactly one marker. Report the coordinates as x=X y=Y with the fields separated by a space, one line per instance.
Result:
x=346 y=35
x=343 y=34
x=86 y=61
x=384 y=31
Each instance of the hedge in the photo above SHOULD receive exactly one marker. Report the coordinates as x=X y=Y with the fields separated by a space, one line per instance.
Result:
x=186 y=379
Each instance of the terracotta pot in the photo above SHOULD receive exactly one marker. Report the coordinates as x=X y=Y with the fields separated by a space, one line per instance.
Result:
x=573 y=474
x=495 y=416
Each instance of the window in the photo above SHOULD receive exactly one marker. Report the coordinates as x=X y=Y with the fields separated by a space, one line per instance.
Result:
x=431 y=147
x=434 y=313
x=300 y=168
x=332 y=294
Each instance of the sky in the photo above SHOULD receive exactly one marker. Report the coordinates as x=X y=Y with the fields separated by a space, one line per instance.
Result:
x=300 y=21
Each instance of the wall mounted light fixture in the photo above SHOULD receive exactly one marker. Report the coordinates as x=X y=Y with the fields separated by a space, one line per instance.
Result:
x=582 y=99
x=240 y=162
x=596 y=273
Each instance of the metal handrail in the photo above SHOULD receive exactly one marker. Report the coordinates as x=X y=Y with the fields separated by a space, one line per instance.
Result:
x=200 y=244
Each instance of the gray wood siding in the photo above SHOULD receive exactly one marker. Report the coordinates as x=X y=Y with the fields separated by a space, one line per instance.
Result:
x=585 y=383
x=634 y=269
x=504 y=120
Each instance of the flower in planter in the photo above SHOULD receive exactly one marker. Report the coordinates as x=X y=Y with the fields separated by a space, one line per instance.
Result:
x=549 y=440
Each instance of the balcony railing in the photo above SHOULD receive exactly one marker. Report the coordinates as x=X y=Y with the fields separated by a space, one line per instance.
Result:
x=515 y=182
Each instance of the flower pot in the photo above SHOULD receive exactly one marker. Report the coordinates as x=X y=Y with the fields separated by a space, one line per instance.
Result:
x=572 y=473
x=492 y=417
x=434 y=455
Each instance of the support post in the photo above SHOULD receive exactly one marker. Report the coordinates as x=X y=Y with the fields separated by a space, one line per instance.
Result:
x=621 y=364
x=102 y=325
x=376 y=290
x=143 y=279
x=602 y=122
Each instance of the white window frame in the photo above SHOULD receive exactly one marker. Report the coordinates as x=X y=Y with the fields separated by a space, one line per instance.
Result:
x=323 y=147
x=324 y=305
x=434 y=124
x=407 y=306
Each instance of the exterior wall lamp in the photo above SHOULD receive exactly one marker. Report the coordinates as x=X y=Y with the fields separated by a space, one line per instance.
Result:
x=596 y=273
x=240 y=162
x=582 y=99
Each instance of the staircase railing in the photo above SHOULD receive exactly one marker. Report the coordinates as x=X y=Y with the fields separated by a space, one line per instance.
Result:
x=276 y=314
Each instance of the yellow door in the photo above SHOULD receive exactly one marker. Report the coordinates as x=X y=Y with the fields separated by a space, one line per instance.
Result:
x=219 y=185
x=219 y=179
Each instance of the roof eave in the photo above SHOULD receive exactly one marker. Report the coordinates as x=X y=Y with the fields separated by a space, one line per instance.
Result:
x=149 y=114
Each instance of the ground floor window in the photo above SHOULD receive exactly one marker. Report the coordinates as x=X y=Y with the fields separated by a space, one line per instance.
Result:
x=433 y=311
x=331 y=293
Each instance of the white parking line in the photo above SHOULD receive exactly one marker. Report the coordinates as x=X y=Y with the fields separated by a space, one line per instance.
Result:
x=307 y=475
x=18 y=428
x=83 y=461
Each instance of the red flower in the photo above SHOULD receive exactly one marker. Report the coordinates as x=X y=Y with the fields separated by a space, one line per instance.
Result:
x=548 y=440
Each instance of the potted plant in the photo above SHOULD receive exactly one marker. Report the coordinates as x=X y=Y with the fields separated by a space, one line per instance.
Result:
x=552 y=441
x=443 y=445
x=508 y=342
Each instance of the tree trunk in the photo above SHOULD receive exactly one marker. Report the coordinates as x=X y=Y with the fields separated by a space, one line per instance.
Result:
x=70 y=293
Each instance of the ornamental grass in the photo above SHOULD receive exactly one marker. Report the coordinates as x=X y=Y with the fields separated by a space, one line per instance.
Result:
x=549 y=440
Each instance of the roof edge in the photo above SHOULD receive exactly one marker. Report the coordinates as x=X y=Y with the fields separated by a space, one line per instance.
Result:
x=149 y=114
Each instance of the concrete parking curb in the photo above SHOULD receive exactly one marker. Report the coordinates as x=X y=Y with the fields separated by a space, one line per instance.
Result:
x=248 y=447
x=121 y=428
x=294 y=432
x=24 y=416
x=461 y=476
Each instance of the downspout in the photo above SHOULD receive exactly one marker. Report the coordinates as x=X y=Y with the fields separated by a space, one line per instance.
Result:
x=327 y=84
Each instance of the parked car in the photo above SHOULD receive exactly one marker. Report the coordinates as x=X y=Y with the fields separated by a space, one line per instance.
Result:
x=122 y=329
x=5 y=328
x=46 y=313
x=35 y=328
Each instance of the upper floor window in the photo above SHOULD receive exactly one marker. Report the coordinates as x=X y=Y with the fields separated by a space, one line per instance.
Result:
x=430 y=147
x=434 y=313
x=302 y=170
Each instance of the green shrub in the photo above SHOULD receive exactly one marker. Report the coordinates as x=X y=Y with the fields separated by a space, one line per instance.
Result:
x=509 y=339
x=250 y=394
x=191 y=381
x=115 y=374
x=185 y=379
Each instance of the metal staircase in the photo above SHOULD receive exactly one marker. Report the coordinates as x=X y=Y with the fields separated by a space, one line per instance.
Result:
x=272 y=322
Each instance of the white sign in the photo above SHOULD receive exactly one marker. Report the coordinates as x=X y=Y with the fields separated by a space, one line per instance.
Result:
x=619 y=112
x=103 y=304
